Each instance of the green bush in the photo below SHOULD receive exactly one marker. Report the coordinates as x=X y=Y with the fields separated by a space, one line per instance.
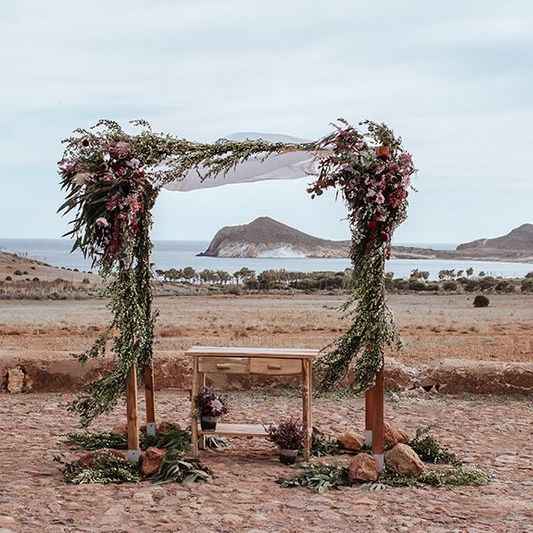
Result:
x=450 y=285
x=526 y=285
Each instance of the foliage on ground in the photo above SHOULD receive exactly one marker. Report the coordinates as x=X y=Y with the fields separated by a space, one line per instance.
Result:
x=429 y=448
x=321 y=477
x=175 y=468
x=106 y=468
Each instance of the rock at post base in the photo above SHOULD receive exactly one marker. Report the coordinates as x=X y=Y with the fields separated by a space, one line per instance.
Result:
x=363 y=468
x=404 y=460
x=151 y=461
x=350 y=441
x=393 y=435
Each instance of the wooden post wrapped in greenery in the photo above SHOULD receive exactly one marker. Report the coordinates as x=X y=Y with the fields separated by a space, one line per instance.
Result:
x=112 y=179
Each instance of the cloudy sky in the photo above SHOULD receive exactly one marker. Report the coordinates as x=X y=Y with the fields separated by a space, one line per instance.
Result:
x=453 y=78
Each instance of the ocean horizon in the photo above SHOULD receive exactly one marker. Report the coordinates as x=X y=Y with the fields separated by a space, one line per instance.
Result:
x=180 y=254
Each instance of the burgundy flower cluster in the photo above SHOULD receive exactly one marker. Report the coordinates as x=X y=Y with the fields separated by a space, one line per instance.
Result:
x=113 y=191
x=210 y=404
x=374 y=179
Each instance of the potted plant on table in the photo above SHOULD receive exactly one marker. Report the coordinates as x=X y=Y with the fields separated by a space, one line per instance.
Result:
x=210 y=407
x=289 y=436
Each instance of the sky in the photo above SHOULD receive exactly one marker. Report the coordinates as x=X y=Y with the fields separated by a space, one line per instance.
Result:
x=454 y=79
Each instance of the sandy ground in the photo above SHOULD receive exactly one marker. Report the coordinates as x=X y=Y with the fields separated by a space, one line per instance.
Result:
x=433 y=327
x=243 y=496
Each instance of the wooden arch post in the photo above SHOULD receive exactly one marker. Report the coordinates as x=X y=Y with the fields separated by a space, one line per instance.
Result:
x=375 y=421
x=134 y=451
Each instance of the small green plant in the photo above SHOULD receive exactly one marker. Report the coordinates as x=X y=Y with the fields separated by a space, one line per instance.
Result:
x=322 y=444
x=319 y=477
x=98 y=440
x=430 y=450
x=175 y=468
x=455 y=476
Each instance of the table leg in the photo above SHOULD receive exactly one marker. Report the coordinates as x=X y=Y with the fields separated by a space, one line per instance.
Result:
x=194 y=416
x=202 y=439
x=307 y=417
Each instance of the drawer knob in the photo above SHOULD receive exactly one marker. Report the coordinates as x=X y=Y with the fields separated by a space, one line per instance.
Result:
x=274 y=367
x=222 y=366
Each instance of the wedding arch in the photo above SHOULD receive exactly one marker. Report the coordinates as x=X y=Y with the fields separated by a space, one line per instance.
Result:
x=112 y=179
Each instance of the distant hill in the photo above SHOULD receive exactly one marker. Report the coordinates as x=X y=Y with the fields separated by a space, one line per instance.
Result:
x=266 y=237
x=517 y=240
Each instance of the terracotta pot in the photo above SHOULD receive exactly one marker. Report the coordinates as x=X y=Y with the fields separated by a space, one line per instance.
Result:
x=288 y=457
x=383 y=152
x=208 y=423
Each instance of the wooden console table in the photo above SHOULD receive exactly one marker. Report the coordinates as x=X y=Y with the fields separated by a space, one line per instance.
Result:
x=265 y=361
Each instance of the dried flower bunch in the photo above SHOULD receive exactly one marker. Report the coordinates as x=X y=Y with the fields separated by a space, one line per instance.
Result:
x=210 y=404
x=288 y=434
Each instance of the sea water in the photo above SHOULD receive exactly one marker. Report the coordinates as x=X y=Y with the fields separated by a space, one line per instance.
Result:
x=179 y=254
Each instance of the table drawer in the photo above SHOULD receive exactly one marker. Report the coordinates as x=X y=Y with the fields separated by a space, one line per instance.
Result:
x=276 y=367
x=224 y=365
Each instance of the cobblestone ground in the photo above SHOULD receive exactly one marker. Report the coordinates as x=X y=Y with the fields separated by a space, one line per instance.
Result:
x=495 y=433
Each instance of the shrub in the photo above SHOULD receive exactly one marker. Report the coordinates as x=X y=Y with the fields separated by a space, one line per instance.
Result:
x=526 y=285
x=18 y=273
x=450 y=285
x=471 y=285
x=9 y=278
x=416 y=285
x=36 y=279
x=481 y=301
x=504 y=286
x=529 y=275
x=86 y=281
x=288 y=434
x=487 y=283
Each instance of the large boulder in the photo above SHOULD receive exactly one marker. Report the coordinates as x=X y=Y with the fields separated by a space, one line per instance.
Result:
x=351 y=441
x=151 y=461
x=404 y=460
x=394 y=435
x=363 y=468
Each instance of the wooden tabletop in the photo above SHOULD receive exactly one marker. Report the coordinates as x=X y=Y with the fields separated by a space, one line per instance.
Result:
x=242 y=351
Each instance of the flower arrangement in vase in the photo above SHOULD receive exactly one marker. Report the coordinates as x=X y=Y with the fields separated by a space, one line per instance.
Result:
x=289 y=436
x=210 y=407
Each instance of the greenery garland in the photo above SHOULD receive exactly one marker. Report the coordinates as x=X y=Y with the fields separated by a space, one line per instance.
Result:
x=112 y=179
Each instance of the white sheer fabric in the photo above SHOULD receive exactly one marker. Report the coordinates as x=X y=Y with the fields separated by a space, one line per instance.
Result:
x=289 y=165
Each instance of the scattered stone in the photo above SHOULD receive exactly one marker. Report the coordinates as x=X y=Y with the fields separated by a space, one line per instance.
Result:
x=363 y=468
x=404 y=460
x=351 y=441
x=151 y=461
x=394 y=436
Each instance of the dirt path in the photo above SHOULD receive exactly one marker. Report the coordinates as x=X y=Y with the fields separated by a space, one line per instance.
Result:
x=493 y=433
